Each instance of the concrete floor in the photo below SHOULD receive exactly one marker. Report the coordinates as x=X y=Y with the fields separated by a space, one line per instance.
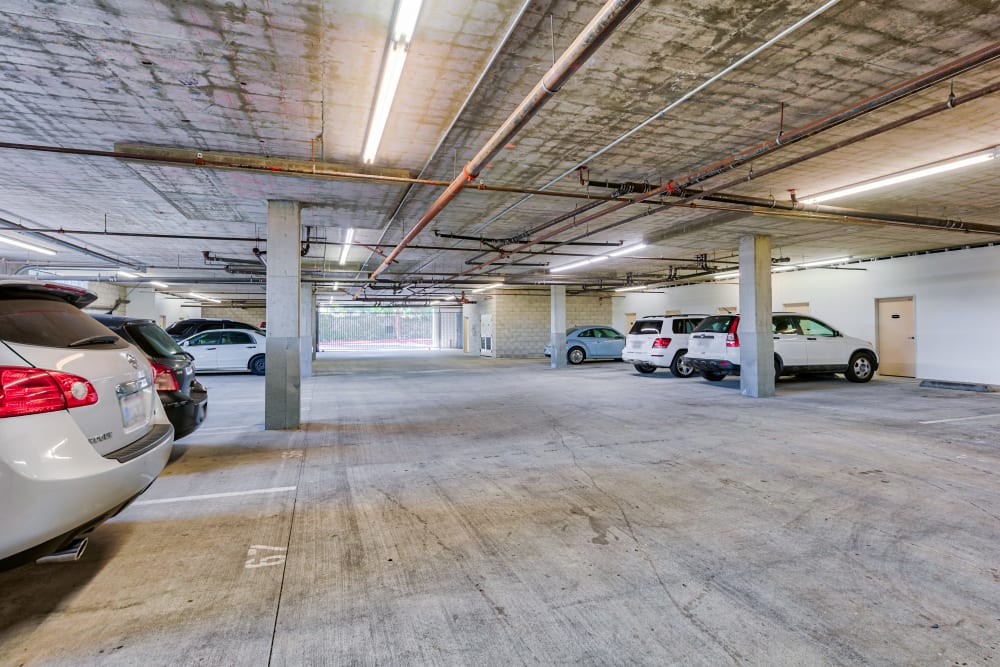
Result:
x=443 y=509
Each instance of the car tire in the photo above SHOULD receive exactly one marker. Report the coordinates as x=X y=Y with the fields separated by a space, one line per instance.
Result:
x=576 y=355
x=777 y=367
x=713 y=376
x=645 y=368
x=861 y=367
x=257 y=365
x=679 y=367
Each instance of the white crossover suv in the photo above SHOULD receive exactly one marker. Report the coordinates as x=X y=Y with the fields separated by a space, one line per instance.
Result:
x=82 y=431
x=802 y=345
x=660 y=342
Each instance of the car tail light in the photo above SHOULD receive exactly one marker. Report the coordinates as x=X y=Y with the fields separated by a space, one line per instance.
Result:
x=165 y=378
x=29 y=391
x=733 y=340
x=661 y=342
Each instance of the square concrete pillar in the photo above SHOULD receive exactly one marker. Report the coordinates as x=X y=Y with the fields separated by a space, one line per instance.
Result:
x=307 y=329
x=756 y=341
x=558 y=329
x=282 y=384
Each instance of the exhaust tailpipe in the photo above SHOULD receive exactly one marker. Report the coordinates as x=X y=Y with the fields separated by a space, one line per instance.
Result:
x=67 y=555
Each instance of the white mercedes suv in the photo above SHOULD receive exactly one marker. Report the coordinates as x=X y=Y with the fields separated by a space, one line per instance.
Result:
x=802 y=345
x=660 y=342
x=82 y=431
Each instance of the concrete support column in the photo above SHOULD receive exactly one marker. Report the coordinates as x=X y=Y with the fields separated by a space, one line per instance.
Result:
x=307 y=329
x=756 y=341
x=436 y=329
x=282 y=386
x=558 y=318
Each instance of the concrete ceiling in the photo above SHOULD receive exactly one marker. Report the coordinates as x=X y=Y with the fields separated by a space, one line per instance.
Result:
x=105 y=106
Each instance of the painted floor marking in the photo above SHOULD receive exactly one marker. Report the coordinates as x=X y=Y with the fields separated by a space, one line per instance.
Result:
x=207 y=496
x=958 y=419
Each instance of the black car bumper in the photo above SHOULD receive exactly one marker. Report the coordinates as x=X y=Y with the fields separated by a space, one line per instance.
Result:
x=714 y=366
x=186 y=412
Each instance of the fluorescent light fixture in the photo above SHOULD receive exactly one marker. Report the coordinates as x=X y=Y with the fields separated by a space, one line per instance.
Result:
x=392 y=69
x=203 y=297
x=347 y=246
x=127 y=274
x=26 y=246
x=627 y=250
x=823 y=262
x=576 y=265
x=157 y=283
x=727 y=275
x=634 y=288
x=434 y=303
x=782 y=269
x=450 y=297
x=336 y=286
x=487 y=287
x=904 y=176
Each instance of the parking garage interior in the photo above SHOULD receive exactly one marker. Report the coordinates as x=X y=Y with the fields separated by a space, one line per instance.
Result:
x=413 y=200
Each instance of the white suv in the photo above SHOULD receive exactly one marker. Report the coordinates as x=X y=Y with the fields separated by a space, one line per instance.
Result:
x=82 y=431
x=802 y=344
x=660 y=342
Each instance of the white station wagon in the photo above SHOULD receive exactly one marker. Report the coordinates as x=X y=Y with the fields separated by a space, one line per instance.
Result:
x=660 y=342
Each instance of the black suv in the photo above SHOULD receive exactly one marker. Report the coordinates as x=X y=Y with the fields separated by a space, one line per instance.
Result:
x=187 y=328
x=184 y=399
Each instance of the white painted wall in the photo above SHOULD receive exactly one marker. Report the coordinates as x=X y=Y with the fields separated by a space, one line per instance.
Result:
x=956 y=299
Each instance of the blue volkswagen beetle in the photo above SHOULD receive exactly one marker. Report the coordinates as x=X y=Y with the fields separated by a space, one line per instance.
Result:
x=591 y=342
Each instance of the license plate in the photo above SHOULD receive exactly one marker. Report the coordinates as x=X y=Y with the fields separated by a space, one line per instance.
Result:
x=636 y=344
x=133 y=409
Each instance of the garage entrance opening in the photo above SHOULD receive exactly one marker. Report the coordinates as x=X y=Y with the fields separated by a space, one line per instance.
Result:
x=388 y=328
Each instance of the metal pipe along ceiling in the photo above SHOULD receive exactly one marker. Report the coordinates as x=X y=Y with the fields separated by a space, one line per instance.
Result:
x=677 y=187
x=587 y=42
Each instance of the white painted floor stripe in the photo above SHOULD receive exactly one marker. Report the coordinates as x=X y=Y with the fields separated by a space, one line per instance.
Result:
x=958 y=419
x=230 y=494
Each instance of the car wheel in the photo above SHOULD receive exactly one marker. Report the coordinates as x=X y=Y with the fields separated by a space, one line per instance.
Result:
x=712 y=376
x=256 y=365
x=576 y=355
x=681 y=368
x=777 y=367
x=645 y=368
x=861 y=368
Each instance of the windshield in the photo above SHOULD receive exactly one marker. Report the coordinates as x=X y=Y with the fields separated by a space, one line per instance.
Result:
x=51 y=322
x=646 y=327
x=718 y=324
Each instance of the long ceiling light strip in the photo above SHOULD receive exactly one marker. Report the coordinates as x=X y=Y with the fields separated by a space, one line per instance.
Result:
x=347 y=246
x=908 y=175
x=203 y=297
x=403 y=25
x=26 y=246
x=791 y=267
x=597 y=258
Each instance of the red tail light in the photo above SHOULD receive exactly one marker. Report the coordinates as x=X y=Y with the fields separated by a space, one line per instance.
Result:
x=30 y=391
x=733 y=340
x=661 y=342
x=165 y=378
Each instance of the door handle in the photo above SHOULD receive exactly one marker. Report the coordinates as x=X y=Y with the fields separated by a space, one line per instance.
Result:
x=209 y=348
x=810 y=338
x=776 y=338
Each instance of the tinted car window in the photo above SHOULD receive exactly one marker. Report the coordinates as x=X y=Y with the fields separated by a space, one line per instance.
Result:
x=586 y=333
x=48 y=323
x=646 y=327
x=717 y=323
x=684 y=326
x=153 y=340
x=811 y=327
x=236 y=338
x=206 y=339
x=783 y=324
x=608 y=333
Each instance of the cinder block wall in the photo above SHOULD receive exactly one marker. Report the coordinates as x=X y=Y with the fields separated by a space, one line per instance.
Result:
x=108 y=294
x=522 y=322
x=252 y=316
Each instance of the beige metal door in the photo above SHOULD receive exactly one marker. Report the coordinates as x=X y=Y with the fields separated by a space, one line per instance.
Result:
x=896 y=337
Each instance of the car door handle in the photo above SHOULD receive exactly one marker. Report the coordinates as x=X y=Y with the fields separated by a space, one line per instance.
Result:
x=810 y=338
x=209 y=348
x=777 y=338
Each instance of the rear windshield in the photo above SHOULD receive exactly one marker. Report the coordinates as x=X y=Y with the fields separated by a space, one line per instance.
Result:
x=50 y=323
x=646 y=327
x=153 y=340
x=718 y=323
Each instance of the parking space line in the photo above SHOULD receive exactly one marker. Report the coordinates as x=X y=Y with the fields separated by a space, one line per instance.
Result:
x=958 y=419
x=207 y=496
